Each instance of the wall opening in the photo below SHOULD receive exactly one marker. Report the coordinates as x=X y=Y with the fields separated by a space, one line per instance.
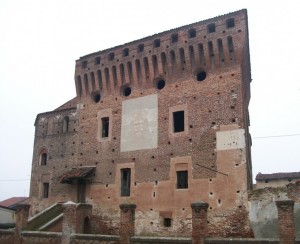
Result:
x=156 y=43
x=211 y=54
x=125 y=52
x=122 y=72
x=178 y=121
x=96 y=96
x=87 y=226
x=201 y=54
x=192 y=56
x=105 y=127
x=84 y=64
x=230 y=48
x=211 y=28
x=141 y=48
x=230 y=23
x=138 y=70
x=174 y=38
x=182 y=58
x=221 y=51
x=93 y=81
x=201 y=76
x=45 y=190
x=97 y=60
x=173 y=62
x=160 y=84
x=125 y=182
x=155 y=65
x=86 y=84
x=65 y=124
x=79 y=86
x=111 y=56
x=99 y=75
x=167 y=222
x=192 y=33
x=182 y=179
x=126 y=91
x=114 y=73
x=43 y=158
x=164 y=62
x=106 y=74
x=146 y=67
x=129 y=68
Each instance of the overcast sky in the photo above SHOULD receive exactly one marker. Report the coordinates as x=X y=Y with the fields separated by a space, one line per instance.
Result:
x=40 y=41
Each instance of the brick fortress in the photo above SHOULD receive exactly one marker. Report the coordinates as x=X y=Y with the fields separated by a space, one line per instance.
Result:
x=160 y=122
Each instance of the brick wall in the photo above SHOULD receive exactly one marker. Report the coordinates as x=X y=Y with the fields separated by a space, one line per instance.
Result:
x=218 y=103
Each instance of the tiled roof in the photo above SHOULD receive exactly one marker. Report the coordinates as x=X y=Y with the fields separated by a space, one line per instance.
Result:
x=78 y=173
x=11 y=202
x=277 y=176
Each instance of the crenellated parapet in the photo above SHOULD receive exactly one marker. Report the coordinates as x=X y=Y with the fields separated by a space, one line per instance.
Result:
x=194 y=50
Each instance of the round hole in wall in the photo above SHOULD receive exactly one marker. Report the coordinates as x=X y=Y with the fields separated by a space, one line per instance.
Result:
x=96 y=97
x=160 y=84
x=201 y=75
x=126 y=91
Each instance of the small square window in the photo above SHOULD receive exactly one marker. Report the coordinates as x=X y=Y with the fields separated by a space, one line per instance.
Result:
x=211 y=28
x=156 y=43
x=178 y=121
x=141 y=48
x=230 y=23
x=97 y=60
x=192 y=33
x=125 y=52
x=84 y=64
x=111 y=56
x=182 y=179
x=174 y=38
x=167 y=222
x=105 y=127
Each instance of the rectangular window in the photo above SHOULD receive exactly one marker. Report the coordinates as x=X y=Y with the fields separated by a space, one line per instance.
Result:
x=178 y=121
x=125 y=182
x=105 y=127
x=45 y=190
x=167 y=222
x=182 y=179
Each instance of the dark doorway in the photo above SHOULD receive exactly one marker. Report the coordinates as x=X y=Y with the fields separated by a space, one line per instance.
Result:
x=81 y=188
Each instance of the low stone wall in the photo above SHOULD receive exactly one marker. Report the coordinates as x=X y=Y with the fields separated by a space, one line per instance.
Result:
x=7 y=236
x=38 y=237
x=91 y=239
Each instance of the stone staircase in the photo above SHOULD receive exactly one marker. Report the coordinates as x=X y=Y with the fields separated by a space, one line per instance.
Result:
x=46 y=219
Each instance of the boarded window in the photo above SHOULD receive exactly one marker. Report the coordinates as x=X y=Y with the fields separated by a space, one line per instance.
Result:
x=45 y=190
x=105 y=127
x=178 y=121
x=182 y=179
x=125 y=182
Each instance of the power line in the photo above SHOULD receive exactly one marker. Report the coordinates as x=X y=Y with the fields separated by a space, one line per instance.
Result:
x=263 y=137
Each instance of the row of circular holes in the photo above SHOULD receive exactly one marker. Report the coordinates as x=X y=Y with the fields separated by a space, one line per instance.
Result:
x=200 y=76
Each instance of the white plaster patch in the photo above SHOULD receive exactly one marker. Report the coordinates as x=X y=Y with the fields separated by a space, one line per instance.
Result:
x=231 y=139
x=139 y=123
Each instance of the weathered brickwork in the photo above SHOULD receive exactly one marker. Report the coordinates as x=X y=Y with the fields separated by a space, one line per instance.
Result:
x=199 y=73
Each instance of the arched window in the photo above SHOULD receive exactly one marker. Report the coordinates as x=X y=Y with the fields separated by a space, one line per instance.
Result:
x=43 y=156
x=66 y=124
